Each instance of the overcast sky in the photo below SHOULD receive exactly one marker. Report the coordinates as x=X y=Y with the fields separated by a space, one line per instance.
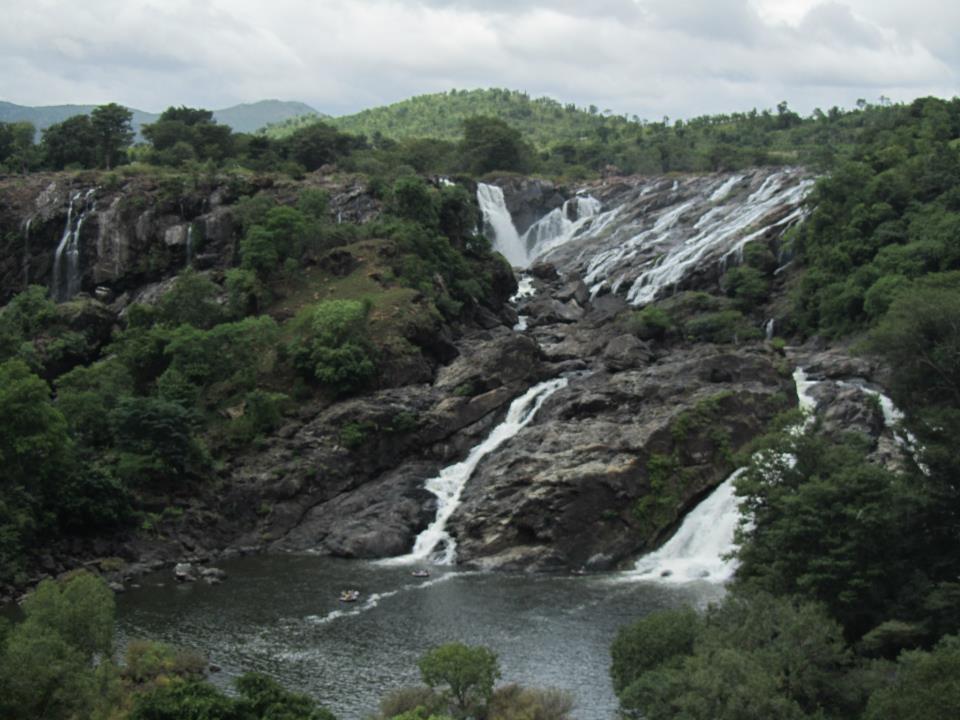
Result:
x=645 y=57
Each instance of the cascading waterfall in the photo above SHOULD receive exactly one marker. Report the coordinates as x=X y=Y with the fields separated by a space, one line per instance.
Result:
x=656 y=233
x=698 y=550
x=497 y=218
x=716 y=232
x=560 y=225
x=435 y=543
x=66 y=260
x=701 y=547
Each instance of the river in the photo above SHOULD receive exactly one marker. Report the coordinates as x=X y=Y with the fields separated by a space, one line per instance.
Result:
x=281 y=615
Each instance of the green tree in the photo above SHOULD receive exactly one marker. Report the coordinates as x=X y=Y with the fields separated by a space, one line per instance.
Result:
x=412 y=199
x=925 y=686
x=34 y=445
x=71 y=142
x=652 y=642
x=113 y=131
x=466 y=673
x=49 y=662
x=316 y=145
x=182 y=133
x=266 y=699
x=192 y=300
x=334 y=347
x=491 y=144
x=755 y=657
x=17 y=149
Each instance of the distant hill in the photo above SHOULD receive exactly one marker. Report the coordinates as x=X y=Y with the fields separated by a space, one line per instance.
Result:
x=248 y=117
x=543 y=121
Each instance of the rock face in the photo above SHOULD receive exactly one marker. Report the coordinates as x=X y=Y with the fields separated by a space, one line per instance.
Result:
x=529 y=199
x=645 y=427
x=564 y=492
x=136 y=231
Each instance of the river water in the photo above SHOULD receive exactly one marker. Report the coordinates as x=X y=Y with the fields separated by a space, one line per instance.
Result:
x=281 y=615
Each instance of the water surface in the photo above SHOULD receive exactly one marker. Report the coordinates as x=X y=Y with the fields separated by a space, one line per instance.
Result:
x=281 y=615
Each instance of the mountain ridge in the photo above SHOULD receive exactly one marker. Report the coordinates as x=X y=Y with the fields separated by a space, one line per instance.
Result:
x=243 y=117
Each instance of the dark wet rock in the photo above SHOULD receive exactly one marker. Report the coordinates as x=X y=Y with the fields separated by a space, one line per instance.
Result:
x=529 y=199
x=184 y=572
x=625 y=352
x=544 y=271
x=562 y=491
x=573 y=290
x=548 y=311
x=844 y=408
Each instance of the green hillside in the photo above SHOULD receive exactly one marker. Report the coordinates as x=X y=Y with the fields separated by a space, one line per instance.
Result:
x=543 y=121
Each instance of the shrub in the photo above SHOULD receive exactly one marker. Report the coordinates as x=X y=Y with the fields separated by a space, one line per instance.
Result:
x=334 y=348
x=650 y=323
x=725 y=326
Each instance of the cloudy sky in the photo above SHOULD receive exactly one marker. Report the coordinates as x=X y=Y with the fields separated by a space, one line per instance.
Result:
x=645 y=57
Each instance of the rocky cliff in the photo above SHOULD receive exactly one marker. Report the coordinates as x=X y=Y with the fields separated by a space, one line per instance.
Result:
x=649 y=422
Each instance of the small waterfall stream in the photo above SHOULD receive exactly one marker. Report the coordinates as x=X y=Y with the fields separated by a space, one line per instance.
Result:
x=435 y=543
x=189 y=244
x=66 y=260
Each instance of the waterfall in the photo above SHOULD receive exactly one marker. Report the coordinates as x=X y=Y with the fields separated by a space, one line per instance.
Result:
x=716 y=232
x=653 y=235
x=435 y=542
x=189 y=244
x=769 y=329
x=497 y=219
x=560 y=225
x=698 y=550
x=701 y=547
x=66 y=259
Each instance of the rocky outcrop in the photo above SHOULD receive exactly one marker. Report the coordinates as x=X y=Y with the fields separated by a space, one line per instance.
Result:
x=137 y=230
x=348 y=480
x=529 y=199
x=565 y=491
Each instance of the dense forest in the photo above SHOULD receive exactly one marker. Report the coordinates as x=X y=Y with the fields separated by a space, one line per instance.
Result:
x=846 y=603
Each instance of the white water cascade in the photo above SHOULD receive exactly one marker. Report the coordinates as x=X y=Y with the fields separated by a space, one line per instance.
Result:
x=506 y=239
x=652 y=234
x=560 y=225
x=699 y=549
x=435 y=543
x=66 y=260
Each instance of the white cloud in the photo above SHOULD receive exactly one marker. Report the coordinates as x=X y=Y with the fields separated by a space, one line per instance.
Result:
x=648 y=57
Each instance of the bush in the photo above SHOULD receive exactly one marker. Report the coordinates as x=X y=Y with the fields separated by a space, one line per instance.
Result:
x=513 y=702
x=408 y=700
x=650 y=323
x=725 y=326
x=659 y=638
x=334 y=348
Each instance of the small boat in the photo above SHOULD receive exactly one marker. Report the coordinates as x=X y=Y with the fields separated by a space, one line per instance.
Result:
x=421 y=573
x=349 y=596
